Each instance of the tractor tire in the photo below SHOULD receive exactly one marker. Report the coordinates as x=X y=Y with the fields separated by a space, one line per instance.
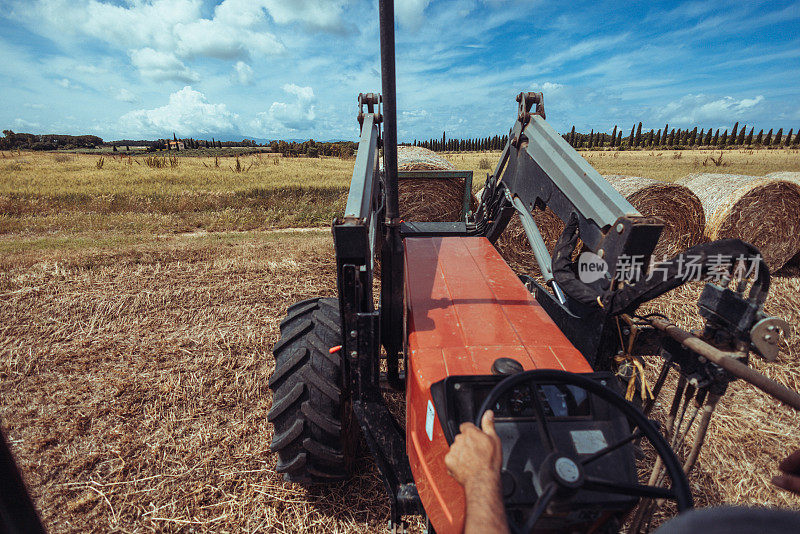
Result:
x=315 y=437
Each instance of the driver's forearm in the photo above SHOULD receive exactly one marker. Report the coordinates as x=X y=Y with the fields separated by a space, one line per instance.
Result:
x=485 y=511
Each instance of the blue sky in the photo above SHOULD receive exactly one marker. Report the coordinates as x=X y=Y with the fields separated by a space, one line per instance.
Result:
x=293 y=69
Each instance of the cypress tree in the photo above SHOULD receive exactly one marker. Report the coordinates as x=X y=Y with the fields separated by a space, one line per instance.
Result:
x=768 y=139
x=760 y=136
x=664 y=137
x=614 y=137
x=796 y=138
x=715 y=142
x=733 y=133
x=671 y=138
x=740 y=140
x=630 y=139
x=678 y=137
x=707 y=142
x=701 y=137
x=724 y=139
x=639 y=135
x=572 y=136
x=591 y=138
x=619 y=139
x=657 y=140
x=788 y=137
x=750 y=136
x=778 y=137
x=693 y=137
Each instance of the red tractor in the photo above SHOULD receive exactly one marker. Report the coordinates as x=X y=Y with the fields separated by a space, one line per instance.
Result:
x=460 y=333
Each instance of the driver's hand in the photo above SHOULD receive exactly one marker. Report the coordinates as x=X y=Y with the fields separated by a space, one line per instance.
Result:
x=790 y=479
x=475 y=455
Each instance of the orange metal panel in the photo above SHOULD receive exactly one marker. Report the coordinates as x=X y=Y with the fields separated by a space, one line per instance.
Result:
x=464 y=309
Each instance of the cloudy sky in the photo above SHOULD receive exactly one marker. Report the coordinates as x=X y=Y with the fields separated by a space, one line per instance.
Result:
x=293 y=68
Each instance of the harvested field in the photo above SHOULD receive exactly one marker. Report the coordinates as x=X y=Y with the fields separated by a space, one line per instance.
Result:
x=134 y=389
x=668 y=165
x=135 y=346
x=761 y=210
x=134 y=386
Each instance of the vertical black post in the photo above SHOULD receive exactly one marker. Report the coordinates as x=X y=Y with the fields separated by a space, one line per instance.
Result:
x=392 y=248
x=389 y=108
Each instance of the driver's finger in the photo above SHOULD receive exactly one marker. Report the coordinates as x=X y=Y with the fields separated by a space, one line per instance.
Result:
x=787 y=482
x=487 y=423
x=791 y=463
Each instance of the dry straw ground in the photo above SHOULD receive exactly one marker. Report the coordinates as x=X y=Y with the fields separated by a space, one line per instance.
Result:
x=134 y=386
x=134 y=365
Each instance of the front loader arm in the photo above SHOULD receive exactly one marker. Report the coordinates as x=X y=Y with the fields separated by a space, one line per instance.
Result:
x=541 y=169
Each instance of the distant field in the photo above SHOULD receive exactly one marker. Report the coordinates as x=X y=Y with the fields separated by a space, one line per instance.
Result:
x=660 y=164
x=57 y=193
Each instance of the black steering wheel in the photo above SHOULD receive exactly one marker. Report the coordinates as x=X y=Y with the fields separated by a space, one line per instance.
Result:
x=564 y=474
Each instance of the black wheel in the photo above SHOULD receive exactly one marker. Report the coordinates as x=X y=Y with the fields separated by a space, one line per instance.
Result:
x=314 y=433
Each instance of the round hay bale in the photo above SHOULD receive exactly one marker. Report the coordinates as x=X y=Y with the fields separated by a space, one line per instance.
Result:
x=785 y=175
x=762 y=210
x=513 y=244
x=416 y=158
x=428 y=200
x=675 y=204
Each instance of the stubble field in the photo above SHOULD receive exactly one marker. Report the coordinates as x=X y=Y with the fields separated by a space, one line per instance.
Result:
x=136 y=330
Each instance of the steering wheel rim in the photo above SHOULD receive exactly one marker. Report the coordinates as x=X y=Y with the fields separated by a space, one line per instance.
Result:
x=679 y=492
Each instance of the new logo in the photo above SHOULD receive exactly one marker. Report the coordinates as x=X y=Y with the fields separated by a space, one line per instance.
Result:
x=591 y=267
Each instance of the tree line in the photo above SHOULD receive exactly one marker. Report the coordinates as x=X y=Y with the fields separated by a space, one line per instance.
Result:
x=478 y=144
x=681 y=138
x=26 y=141
x=314 y=149
x=664 y=138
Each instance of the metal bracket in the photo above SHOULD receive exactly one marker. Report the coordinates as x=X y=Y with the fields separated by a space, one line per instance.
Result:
x=373 y=103
x=765 y=335
x=526 y=102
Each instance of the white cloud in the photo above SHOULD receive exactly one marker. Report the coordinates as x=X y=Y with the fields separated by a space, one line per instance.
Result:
x=243 y=73
x=22 y=123
x=410 y=13
x=161 y=66
x=694 y=109
x=295 y=115
x=187 y=113
x=321 y=14
x=123 y=95
x=65 y=83
x=212 y=38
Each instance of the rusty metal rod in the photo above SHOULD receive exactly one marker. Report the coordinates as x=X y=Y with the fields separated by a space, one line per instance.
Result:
x=700 y=436
x=727 y=362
